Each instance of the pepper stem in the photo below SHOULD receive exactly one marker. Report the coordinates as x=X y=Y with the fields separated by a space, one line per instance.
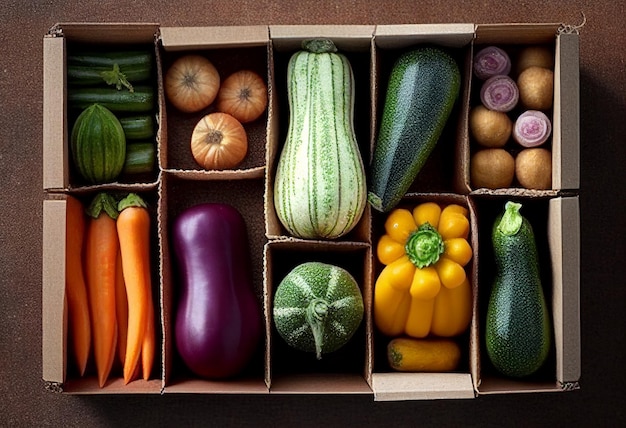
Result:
x=424 y=246
x=511 y=220
x=316 y=314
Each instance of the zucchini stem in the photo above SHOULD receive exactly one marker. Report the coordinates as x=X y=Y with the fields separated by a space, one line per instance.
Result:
x=424 y=246
x=316 y=314
x=511 y=220
x=117 y=78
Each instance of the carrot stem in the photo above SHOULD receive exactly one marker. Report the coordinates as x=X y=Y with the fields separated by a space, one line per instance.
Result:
x=133 y=228
x=75 y=287
x=101 y=265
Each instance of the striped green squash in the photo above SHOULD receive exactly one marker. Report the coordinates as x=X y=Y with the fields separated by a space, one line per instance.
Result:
x=317 y=307
x=320 y=189
x=98 y=145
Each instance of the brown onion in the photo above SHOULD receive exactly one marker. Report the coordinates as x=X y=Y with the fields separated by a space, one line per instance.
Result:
x=499 y=93
x=532 y=128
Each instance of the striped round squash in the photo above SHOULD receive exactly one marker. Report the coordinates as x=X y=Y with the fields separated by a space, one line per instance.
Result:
x=317 y=307
x=98 y=145
x=320 y=189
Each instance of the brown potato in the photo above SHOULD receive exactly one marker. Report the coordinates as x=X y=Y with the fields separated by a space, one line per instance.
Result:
x=489 y=128
x=533 y=168
x=534 y=56
x=492 y=168
x=536 y=88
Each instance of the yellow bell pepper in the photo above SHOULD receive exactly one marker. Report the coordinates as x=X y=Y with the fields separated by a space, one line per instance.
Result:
x=423 y=289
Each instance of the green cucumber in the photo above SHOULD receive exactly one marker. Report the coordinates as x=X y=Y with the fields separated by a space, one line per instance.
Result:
x=317 y=307
x=119 y=68
x=98 y=145
x=518 y=325
x=422 y=90
x=139 y=127
x=142 y=99
x=320 y=184
x=140 y=158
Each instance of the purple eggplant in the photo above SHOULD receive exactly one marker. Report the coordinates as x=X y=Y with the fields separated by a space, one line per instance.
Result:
x=218 y=318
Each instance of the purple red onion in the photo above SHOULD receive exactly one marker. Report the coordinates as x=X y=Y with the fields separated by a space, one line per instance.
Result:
x=491 y=61
x=499 y=93
x=532 y=128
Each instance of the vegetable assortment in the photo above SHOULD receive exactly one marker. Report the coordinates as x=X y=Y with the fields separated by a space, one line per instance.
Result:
x=511 y=118
x=111 y=93
x=109 y=285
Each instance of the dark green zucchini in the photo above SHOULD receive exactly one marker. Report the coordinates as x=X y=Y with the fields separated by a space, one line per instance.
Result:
x=106 y=59
x=119 y=68
x=140 y=158
x=518 y=326
x=139 y=127
x=423 y=87
x=142 y=99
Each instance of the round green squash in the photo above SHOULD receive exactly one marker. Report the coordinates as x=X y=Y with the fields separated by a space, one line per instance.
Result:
x=317 y=307
x=98 y=145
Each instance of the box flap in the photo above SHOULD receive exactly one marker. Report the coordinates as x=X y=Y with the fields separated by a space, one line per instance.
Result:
x=421 y=386
x=54 y=312
x=345 y=37
x=54 y=120
x=399 y=36
x=188 y=38
x=105 y=32
x=564 y=242
x=566 y=161
x=516 y=33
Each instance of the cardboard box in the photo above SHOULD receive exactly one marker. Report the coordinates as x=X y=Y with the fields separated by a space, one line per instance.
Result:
x=179 y=183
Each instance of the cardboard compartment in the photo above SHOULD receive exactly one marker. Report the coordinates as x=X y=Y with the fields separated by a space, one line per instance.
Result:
x=354 y=42
x=58 y=115
x=389 y=42
x=388 y=384
x=178 y=194
x=563 y=143
x=557 y=253
x=293 y=371
x=229 y=49
x=59 y=368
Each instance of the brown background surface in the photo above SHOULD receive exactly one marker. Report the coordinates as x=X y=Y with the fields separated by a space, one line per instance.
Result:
x=23 y=401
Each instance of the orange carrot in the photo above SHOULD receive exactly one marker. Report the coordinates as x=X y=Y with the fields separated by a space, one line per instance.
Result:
x=121 y=310
x=75 y=288
x=133 y=229
x=148 y=344
x=101 y=265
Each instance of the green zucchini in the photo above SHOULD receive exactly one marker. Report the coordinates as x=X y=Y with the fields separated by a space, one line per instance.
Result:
x=422 y=89
x=119 y=68
x=317 y=307
x=98 y=145
x=517 y=325
x=140 y=158
x=106 y=59
x=142 y=99
x=138 y=127
x=320 y=188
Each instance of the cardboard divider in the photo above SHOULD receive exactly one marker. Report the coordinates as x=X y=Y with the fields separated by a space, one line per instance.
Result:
x=285 y=364
x=390 y=385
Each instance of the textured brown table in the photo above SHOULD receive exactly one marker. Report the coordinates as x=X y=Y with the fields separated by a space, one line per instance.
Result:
x=23 y=401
